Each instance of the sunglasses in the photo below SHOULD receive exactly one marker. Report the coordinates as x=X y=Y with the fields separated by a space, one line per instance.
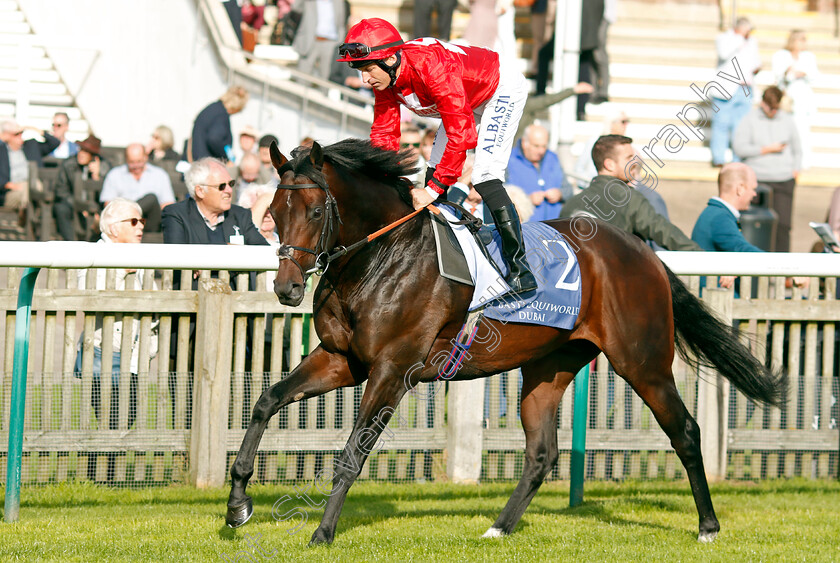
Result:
x=57 y=125
x=406 y=145
x=624 y=121
x=359 y=50
x=221 y=187
x=134 y=221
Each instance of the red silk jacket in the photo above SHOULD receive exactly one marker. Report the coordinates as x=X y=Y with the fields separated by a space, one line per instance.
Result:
x=440 y=80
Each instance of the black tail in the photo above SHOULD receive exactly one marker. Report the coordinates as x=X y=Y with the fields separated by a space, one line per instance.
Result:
x=703 y=340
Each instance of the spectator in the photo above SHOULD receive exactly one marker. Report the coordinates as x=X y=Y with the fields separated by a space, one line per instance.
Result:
x=15 y=153
x=834 y=213
x=733 y=104
x=410 y=139
x=538 y=172
x=159 y=147
x=795 y=70
x=267 y=169
x=423 y=18
x=427 y=141
x=208 y=216
x=122 y=223
x=261 y=215
x=60 y=126
x=87 y=164
x=539 y=103
x=250 y=177
x=211 y=135
x=253 y=15
x=600 y=56
x=615 y=123
x=592 y=17
x=625 y=208
x=247 y=143
x=542 y=25
x=768 y=142
x=139 y=181
x=718 y=227
x=322 y=25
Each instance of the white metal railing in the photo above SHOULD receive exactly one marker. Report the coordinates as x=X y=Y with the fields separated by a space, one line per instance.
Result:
x=60 y=254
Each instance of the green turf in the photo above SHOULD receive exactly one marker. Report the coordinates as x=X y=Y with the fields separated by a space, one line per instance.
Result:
x=645 y=521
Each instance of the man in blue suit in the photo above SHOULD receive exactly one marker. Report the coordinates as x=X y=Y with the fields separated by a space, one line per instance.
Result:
x=717 y=229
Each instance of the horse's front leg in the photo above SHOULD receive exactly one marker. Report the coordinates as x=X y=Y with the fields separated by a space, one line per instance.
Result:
x=318 y=373
x=381 y=397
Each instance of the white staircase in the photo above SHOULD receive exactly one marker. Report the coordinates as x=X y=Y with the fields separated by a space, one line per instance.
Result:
x=31 y=90
x=657 y=51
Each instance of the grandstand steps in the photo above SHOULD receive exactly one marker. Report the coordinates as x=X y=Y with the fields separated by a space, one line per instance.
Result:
x=47 y=93
x=658 y=52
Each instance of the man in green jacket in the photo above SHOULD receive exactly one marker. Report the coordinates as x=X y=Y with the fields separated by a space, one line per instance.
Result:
x=611 y=199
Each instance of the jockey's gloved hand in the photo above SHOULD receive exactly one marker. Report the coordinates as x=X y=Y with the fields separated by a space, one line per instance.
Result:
x=458 y=193
x=435 y=188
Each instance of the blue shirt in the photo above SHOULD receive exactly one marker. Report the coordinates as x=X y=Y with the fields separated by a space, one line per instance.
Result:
x=522 y=172
x=120 y=183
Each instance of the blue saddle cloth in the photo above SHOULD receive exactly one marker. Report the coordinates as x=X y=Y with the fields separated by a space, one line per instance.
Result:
x=556 y=301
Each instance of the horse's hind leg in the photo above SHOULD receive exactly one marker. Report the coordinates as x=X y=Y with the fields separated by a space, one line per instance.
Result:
x=542 y=388
x=318 y=373
x=655 y=385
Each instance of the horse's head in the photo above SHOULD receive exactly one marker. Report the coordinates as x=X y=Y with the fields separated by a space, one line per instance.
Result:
x=306 y=215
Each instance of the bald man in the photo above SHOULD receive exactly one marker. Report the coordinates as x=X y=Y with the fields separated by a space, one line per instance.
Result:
x=538 y=172
x=139 y=181
x=717 y=229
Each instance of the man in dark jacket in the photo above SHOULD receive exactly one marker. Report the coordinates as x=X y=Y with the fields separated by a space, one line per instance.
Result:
x=15 y=153
x=611 y=199
x=211 y=135
x=84 y=165
x=209 y=216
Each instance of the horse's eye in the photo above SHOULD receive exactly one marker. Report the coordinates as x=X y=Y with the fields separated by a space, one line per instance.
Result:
x=317 y=213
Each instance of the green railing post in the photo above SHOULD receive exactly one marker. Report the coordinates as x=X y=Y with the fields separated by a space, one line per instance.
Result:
x=18 y=405
x=579 y=423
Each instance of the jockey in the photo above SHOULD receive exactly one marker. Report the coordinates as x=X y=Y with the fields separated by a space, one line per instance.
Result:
x=478 y=103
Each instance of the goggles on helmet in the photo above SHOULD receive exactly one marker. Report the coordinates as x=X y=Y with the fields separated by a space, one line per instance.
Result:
x=360 y=50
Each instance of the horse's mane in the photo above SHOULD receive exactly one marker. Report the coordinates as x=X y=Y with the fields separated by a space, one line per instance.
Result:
x=360 y=156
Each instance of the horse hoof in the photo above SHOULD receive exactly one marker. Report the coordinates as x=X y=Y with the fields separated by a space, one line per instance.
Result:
x=319 y=538
x=494 y=533
x=707 y=537
x=238 y=515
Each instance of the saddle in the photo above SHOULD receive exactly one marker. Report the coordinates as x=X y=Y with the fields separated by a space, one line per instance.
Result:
x=471 y=253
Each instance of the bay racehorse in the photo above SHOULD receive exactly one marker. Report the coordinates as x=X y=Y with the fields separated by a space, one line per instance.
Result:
x=381 y=310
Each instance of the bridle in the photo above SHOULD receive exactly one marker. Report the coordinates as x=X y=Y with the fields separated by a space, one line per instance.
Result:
x=331 y=217
x=324 y=257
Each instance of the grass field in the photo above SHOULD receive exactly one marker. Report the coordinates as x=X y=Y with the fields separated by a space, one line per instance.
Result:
x=648 y=521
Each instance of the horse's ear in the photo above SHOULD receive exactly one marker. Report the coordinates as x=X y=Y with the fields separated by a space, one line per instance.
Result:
x=277 y=158
x=316 y=155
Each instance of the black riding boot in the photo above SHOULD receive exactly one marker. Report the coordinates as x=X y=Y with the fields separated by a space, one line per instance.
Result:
x=520 y=278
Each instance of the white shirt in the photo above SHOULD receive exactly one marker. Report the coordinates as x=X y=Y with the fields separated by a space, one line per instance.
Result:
x=729 y=206
x=731 y=45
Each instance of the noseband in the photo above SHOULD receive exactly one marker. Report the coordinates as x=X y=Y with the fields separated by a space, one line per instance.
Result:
x=322 y=256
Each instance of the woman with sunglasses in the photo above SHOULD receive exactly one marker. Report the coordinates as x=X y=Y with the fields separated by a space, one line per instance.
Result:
x=478 y=102
x=121 y=222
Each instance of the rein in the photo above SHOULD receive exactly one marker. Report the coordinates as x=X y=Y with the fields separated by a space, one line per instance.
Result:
x=322 y=256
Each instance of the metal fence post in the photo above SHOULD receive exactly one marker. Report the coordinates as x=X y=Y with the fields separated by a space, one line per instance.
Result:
x=579 y=423
x=17 y=411
x=713 y=396
x=211 y=389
